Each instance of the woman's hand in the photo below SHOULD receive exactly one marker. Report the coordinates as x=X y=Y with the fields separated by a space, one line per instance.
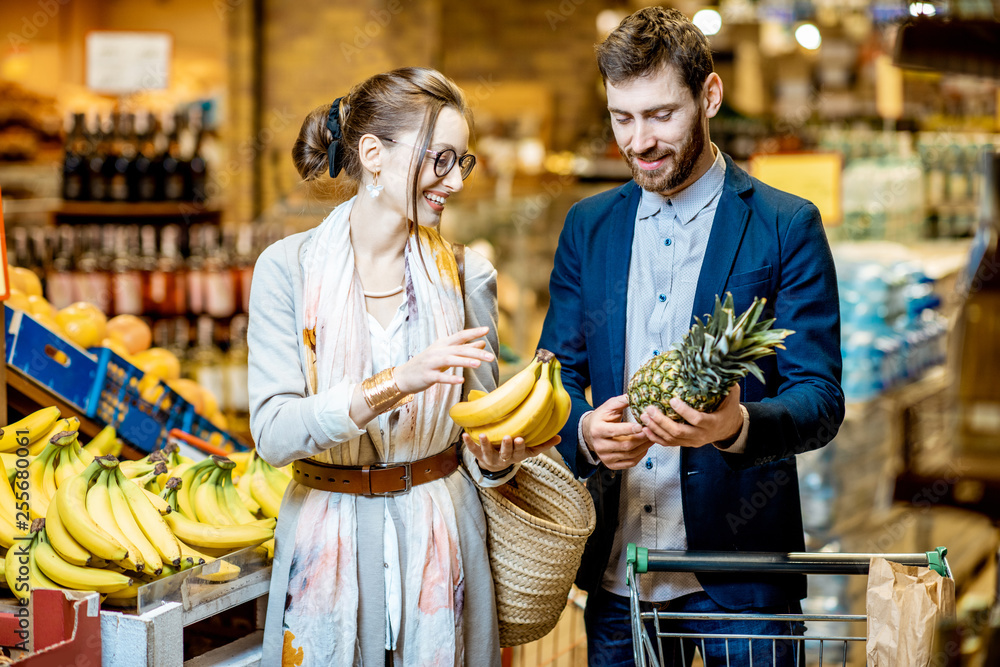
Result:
x=430 y=367
x=511 y=450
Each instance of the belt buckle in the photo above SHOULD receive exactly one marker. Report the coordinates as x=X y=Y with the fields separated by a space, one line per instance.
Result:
x=408 y=478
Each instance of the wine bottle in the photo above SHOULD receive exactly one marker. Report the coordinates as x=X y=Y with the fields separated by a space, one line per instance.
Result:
x=76 y=174
x=59 y=279
x=116 y=162
x=174 y=165
x=126 y=278
x=142 y=169
x=91 y=284
x=95 y=164
x=197 y=172
x=220 y=290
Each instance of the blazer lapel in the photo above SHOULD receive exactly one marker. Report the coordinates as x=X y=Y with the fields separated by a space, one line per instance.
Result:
x=621 y=231
x=727 y=232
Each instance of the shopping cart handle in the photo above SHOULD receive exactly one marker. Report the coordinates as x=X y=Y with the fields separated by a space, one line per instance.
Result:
x=936 y=561
x=781 y=563
x=637 y=556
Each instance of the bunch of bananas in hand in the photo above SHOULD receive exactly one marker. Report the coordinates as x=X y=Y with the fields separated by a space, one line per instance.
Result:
x=532 y=405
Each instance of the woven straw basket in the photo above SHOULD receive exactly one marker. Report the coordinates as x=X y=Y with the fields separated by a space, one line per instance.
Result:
x=537 y=526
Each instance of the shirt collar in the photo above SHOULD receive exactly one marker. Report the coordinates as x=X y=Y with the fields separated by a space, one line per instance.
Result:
x=690 y=201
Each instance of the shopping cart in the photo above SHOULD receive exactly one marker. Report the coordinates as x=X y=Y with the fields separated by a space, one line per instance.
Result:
x=649 y=651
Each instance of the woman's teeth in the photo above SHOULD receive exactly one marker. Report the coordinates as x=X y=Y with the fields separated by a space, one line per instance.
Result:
x=434 y=198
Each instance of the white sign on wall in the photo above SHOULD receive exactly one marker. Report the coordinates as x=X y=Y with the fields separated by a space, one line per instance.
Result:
x=122 y=62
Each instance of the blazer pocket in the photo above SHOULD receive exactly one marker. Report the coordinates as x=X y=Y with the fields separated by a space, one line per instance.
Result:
x=749 y=277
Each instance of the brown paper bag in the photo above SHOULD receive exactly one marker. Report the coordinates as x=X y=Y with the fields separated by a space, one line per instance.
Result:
x=905 y=604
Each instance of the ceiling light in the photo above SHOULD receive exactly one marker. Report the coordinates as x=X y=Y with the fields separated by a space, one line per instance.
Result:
x=808 y=36
x=922 y=9
x=708 y=21
x=608 y=20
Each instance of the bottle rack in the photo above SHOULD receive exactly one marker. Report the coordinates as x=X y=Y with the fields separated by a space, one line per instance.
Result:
x=159 y=213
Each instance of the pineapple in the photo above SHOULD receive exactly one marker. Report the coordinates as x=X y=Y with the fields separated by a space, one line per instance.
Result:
x=710 y=358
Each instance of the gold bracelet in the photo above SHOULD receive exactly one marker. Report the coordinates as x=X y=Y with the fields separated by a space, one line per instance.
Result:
x=381 y=392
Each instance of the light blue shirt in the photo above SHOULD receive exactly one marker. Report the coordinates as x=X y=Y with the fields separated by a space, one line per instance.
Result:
x=669 y=244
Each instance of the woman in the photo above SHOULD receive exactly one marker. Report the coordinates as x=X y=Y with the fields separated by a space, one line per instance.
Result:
x=360 y=342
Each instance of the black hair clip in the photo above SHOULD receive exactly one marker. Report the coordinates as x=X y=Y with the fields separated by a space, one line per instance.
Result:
x=333 y=155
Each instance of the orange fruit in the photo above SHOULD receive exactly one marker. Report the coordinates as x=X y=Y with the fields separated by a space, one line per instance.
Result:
x=158 y=361
x=18 y=300
x=116 y=346
x=80 y=328
x=132 y=331
x=24 y=280
x=50 y=323
x=73 y=316
x=218 y=420
x=210 y=401
x=190 y=391
x=150 y=388
x=39 y=305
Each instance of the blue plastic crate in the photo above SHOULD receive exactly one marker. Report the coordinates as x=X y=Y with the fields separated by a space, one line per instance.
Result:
x=50 y=360
x=209 y=432
x=116 y=400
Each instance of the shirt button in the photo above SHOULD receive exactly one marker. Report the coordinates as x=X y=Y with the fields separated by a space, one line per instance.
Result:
x=649 y=464
x=648 y=508
x=663 y=297
x=667 y=242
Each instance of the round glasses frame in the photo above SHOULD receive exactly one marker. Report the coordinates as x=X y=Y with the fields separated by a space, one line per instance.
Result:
x=445 y=161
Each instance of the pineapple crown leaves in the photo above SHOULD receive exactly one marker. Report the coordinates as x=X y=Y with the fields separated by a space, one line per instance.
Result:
x=722 y=348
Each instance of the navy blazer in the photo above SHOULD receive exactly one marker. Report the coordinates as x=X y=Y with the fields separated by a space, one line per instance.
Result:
x=764 y=243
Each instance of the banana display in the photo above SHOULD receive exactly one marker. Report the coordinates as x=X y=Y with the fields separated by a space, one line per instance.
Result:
x=97 y=523
x=29 y=430
x=533 y=405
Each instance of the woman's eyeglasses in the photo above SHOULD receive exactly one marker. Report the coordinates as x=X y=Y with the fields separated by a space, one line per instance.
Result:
x=445 y=161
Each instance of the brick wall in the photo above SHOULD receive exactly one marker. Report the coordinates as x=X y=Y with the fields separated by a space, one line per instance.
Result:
x=315 y=50
x=537 y=53
x=547 y=42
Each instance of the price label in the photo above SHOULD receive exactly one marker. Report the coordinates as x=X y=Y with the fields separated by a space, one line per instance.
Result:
x=122 y=61
x=812 y=176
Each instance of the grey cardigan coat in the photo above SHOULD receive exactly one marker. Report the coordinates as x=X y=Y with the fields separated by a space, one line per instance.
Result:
x=285 y=428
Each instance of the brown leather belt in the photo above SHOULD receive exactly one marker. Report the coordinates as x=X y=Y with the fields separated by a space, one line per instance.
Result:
x=378 y=479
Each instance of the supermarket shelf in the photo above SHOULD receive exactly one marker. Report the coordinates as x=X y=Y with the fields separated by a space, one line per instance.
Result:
x=151 y=209
x=245 y=652
x=157 y=213
x=155 y=637
x=25 y=395
x=225 y=596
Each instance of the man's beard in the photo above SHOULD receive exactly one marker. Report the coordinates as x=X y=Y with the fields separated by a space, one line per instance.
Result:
x=665 y=179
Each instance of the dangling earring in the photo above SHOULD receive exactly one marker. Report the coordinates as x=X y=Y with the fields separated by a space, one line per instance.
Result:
x=374 y=189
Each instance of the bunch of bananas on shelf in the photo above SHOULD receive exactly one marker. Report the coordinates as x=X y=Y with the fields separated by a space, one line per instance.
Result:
x=33 y=432
x=48 y=569
x=97 y=523
x=532 y=405
x=59 y=457
x=265 y=485
x=104 y=531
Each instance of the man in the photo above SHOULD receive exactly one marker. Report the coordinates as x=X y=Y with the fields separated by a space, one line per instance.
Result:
x=634 y=266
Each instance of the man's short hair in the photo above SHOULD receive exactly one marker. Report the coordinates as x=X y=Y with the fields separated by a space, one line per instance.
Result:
x=651 y=38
